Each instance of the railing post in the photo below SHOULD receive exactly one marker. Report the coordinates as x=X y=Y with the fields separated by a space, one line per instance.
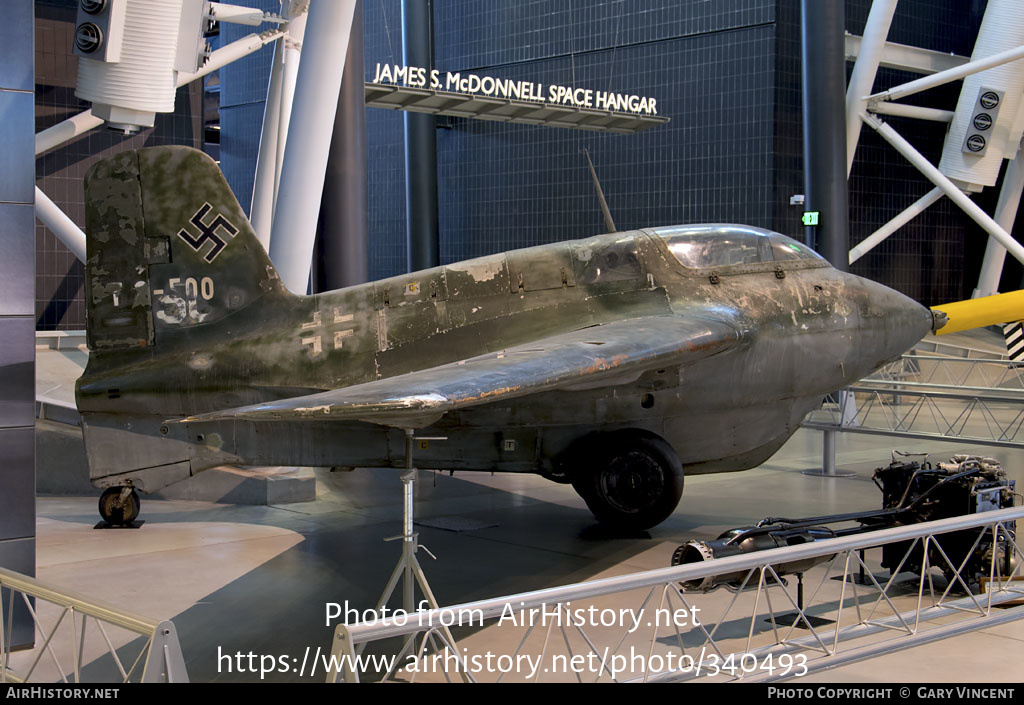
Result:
x=165 y=663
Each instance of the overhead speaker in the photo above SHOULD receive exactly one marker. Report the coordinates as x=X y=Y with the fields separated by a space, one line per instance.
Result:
x=99 y=29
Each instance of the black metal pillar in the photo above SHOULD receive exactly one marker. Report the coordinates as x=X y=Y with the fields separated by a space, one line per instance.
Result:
x=421 y=223
x=17 y=304
x=824 y=105
x=342 y=251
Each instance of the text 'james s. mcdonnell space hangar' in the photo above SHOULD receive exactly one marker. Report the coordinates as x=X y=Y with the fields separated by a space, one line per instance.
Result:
x=512 y=341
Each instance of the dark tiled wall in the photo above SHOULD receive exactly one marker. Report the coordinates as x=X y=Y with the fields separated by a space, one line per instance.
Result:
x=59 y=172
x=726 y=72
x=788 y=117
x=242 y=98
x=472 y=34
x=709 y=65
x=505 y=186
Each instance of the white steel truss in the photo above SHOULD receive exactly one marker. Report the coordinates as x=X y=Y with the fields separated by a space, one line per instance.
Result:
x=766 y=631
x=74 y=633
x=971 y=399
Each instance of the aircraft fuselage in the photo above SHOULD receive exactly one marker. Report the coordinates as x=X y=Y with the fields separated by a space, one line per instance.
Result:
x=804 y=330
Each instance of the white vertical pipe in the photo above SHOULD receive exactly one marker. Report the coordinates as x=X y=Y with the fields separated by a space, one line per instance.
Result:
x=60 y=224
x=261 y=215
x=290 y=71
x=948 y=187
x=864 y=69
x=915 y=209
x=1006 y=213
x=309 y=140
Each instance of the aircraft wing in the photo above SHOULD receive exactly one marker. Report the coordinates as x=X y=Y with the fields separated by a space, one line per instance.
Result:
x=604 y=355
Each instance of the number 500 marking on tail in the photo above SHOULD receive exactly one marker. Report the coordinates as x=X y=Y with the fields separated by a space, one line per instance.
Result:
x=193 y=288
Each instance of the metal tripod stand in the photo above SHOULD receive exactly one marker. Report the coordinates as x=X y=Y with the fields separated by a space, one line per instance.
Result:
x=408 y=569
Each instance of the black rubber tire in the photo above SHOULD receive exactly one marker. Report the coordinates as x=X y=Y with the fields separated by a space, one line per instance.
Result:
x=633 y=480
x=559 y=476
x=119 y=516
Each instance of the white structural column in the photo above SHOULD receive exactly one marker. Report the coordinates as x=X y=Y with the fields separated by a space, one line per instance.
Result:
x=309 y=140
x=289 y=79
x=60 y=224
x=948 y=187
x=1006 y=214
x=864 y=69
x=261 y=215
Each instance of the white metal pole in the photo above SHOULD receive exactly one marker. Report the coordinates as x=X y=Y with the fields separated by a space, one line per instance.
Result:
x=309 y=140
x=261 y=215
x=949 y=75
x=948 y=187
x=66 y=131
x=60 y=224
x=1006 y=213
x=289 y=77
x=913 y=111
x=864 y=69
x=917 y=208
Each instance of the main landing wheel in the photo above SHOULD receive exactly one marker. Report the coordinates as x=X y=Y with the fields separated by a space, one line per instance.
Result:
x=119 y=505
x=631 y=481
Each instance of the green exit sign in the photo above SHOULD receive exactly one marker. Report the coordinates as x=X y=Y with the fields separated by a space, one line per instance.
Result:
x=811 y=217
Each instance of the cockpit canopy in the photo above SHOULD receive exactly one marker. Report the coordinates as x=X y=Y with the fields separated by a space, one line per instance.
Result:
x=718 y=246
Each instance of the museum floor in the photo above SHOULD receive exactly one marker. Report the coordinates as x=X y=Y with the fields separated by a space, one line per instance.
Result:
x=236 y=578
x=256 y=579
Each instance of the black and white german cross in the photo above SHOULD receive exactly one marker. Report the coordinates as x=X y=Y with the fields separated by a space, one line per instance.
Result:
x=208 y=232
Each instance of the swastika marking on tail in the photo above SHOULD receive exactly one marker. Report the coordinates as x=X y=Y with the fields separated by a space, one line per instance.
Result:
x=208 y=232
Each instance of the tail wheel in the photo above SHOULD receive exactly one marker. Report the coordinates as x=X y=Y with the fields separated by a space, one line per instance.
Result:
x=117 y=508
x=632 y=481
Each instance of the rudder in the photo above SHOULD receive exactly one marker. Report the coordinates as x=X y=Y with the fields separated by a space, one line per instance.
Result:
x=168 y=248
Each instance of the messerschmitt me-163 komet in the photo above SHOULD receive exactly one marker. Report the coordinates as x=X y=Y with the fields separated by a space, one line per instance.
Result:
x=613 y=363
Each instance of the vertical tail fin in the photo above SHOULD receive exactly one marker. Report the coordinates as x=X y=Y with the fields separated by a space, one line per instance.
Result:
x=168 y=248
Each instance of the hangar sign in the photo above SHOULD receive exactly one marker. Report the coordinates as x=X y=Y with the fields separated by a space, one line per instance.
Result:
x=473 y=84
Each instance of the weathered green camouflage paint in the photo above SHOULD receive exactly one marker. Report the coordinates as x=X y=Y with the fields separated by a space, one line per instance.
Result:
x=182 y=326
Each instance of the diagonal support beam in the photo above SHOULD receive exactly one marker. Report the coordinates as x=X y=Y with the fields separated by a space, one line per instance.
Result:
x=950 y=189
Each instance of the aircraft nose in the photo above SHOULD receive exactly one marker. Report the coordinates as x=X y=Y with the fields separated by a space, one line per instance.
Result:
x=894 y=322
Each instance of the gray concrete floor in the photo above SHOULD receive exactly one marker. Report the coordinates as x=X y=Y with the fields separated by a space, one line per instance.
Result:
x=256 y=579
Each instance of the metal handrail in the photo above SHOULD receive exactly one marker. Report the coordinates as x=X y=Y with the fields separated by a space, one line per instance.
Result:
x=914 y=389
x=489 y=609
x=160 y=654
x=62 y=598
